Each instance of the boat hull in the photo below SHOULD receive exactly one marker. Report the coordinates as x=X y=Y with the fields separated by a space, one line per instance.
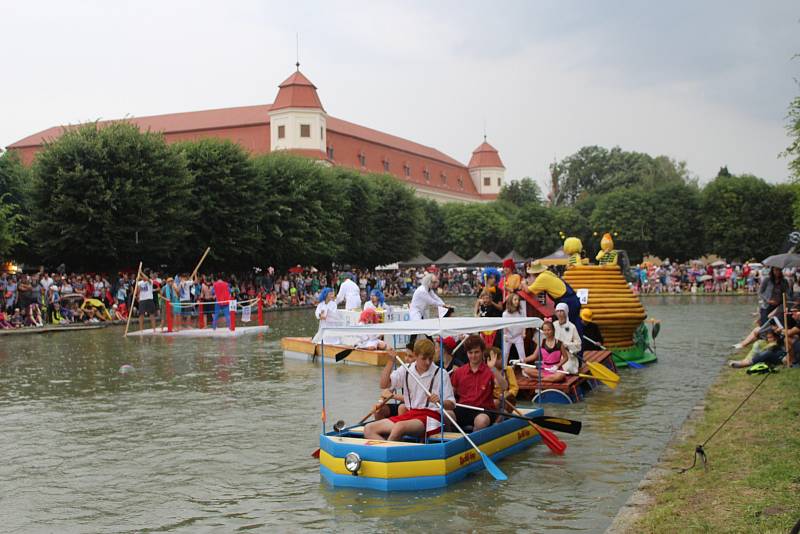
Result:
x=303 y=348
x=396 y=466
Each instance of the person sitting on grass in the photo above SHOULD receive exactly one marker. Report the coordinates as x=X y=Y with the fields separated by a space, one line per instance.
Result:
x=771 y=354
x=474 y=384
x=4 y=323
x=17 y=320
x=552 y=354
x=422 y=418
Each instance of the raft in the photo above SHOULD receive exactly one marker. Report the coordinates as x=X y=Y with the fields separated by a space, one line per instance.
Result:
x=410 y=466
x=304 y=348
x=201 y=332
x=572 y=389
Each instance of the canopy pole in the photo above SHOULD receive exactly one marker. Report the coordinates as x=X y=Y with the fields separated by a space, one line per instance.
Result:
x=503 y=362
x=539 y=348
x=324 y=416
x=441 y=385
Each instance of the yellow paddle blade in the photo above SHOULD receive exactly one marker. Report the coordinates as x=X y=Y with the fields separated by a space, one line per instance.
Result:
x=603 y=374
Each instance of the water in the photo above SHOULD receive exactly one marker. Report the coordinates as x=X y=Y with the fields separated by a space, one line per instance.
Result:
x=213 y=435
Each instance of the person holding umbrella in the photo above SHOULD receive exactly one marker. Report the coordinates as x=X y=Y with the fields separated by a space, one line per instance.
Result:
x=771 y=293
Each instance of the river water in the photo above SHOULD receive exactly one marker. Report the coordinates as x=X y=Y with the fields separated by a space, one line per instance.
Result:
x=215 y=435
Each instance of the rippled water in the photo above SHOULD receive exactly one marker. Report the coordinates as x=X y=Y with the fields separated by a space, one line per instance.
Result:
x=213 y=435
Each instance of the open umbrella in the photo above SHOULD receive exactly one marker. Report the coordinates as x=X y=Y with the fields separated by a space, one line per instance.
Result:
x=782 y=261
x=718 y=263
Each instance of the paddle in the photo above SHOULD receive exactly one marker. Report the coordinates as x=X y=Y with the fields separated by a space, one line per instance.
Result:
x=550 y=439
x=630 y=363
x=610 y=381
x=343 y=354
x=553 y=423
x=135 y=292
x=340 y=424
x=487 y=462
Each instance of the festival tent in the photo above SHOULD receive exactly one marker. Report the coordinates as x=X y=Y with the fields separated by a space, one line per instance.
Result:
x=516 y=256
x=417 y=261
x=481 y=258
x=390 y=267
x=494 y=257
x=451 y=258
x=559 y=257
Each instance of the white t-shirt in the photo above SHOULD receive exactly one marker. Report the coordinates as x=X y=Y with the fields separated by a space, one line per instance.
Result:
x=421 y=300
x=414 y=396
x=185 y=290
x=513 y=332
x=145 y=290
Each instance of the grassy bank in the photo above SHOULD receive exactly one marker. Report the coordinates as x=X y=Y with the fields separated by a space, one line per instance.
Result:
x=753 y=479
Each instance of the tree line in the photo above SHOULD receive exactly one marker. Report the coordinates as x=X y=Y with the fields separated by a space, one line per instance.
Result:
x=106 y=198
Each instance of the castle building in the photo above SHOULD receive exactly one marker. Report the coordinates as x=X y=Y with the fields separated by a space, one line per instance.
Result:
x=298 y=123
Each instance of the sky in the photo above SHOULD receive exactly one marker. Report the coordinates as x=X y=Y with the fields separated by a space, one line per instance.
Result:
x=707 y=82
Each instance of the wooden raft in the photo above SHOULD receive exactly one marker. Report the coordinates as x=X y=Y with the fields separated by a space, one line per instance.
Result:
x=573 y=387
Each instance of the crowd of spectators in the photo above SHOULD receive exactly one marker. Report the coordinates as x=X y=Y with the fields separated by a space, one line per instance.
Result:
x=41 y=298
x=697 y=278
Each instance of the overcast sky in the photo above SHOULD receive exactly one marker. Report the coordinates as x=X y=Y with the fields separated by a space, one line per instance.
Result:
x=703 y=82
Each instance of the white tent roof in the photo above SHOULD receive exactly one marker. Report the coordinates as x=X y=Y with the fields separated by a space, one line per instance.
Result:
x=433 y=327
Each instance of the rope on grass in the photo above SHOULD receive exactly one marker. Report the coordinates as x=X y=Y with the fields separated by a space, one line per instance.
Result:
x=700 y=449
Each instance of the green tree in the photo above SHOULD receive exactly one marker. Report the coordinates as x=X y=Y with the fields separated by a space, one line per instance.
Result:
x=793 y=130
x=521 y=192
x=301 y=213
x=359 y=210
x=535 y=233
x=472 y=227
x=676 y=226
x=744 y=217
x=597 y=170
x=110 y=196
x=627 y=214
x=15 y=204
x=225 y=196
x=397 y=221
x=433 y=229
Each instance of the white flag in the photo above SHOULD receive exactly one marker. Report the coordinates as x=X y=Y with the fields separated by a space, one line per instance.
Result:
x=431 y=424
x=246 y=314
x=583 y=296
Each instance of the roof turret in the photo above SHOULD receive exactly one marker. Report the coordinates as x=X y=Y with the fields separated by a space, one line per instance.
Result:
x=485 y=156
x=297 y=92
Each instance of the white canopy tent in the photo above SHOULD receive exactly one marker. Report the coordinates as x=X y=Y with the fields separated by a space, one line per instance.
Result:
x=446 y=326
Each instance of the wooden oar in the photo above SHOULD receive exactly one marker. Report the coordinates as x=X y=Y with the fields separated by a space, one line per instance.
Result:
x=609 y=381
x=315 y=454
x=343 y=354
x=553 y=423
x=630 y=363
x=487 y=462
x=199 y=263
x=135 y=292
x=550 y=439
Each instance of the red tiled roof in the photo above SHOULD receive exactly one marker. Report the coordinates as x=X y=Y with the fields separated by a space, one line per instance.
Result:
x=174 y=122
x=381 y=138
x=297 y=92
x=485 y=156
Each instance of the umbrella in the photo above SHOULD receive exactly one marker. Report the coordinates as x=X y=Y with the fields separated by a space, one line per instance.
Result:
x=782 y=261
x=718 y=263
x=704 y=278
x=296 y=270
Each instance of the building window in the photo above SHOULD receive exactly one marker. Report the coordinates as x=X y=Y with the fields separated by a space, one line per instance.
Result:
x=487 y=181
x=330 y=153
x=386 y=165
x=305 y=130
x=460 y=181
x=407 y=170
x=362 y=159
x=443 y=176
x=281 y=132
x=499 y=181
x=321 y=133
x=426 y=174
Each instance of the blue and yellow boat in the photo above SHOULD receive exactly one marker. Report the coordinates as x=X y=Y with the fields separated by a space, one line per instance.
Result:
x=347 y=459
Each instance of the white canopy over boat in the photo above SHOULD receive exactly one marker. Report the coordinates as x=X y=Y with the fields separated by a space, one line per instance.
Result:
x=432 y=327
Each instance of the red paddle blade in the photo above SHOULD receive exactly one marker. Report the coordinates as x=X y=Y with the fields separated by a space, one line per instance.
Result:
x=315 y=454
x=550 y=439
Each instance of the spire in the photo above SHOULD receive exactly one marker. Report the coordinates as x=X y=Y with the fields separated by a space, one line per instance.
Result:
x=485 y=156
x=297 y=92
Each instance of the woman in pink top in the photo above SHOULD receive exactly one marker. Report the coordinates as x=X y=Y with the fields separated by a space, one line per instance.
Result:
x=551 y=352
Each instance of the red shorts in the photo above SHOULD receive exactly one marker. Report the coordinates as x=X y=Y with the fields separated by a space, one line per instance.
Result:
x=422 y=415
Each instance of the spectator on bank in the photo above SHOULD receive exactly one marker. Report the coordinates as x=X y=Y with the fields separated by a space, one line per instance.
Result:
x=772 y=292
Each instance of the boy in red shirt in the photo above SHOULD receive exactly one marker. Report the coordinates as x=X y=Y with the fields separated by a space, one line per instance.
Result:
x=473 y=384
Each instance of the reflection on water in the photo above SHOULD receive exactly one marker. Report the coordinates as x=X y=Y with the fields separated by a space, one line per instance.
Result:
x=216 y=434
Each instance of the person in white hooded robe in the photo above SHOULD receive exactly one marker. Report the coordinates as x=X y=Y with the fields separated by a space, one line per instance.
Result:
x=350 y=293
x=424 y=296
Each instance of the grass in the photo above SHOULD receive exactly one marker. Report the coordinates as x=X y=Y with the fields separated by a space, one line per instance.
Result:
x=752 y=483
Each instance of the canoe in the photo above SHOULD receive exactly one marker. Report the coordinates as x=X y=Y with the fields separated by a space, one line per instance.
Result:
x=409 y=466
